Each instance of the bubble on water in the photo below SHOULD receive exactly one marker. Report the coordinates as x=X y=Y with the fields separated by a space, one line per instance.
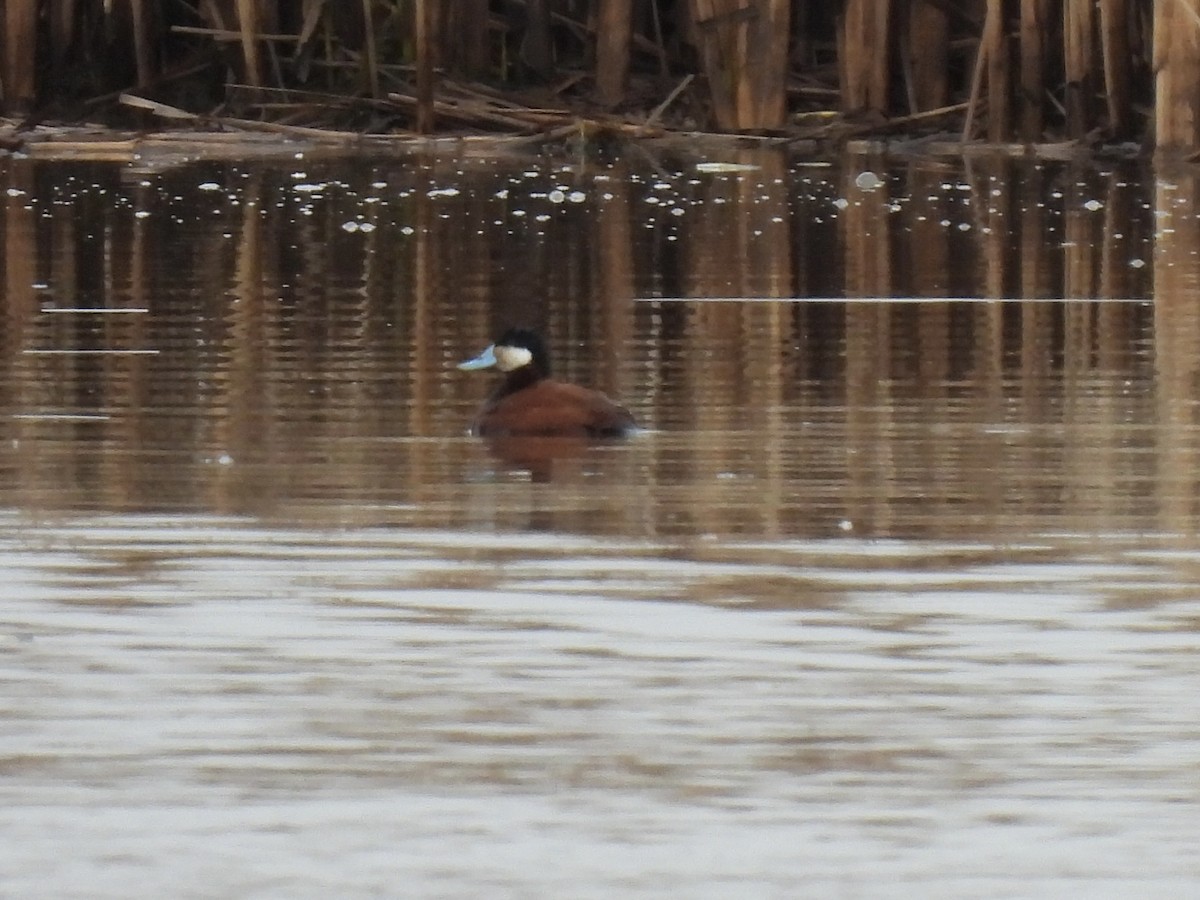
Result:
x=556 y=196
x=1093 y=205
x=350 y=226
x=868 y=181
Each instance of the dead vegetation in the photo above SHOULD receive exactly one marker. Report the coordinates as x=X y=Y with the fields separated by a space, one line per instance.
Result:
x=996 y=71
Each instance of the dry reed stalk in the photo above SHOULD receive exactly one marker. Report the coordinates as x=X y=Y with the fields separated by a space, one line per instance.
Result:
x=743 y=44
x=614 y=30
x=121 y=151
x=865 y=52
x=716 y=59
x=300 y=131
x=314 y=12
x=423 y=36
x=61 y=20
x=981 y=52
x=660 y=47
x=537 y=43
x=226 y=34
x=926 y=56
x=657 y=112
x=1033 y=68
x=247 y=15
x=1079 y=61
x=372 y=60
x=159 y=109
x=998 y=70
x=464 y=26
x=477 y=115
x=1177 y=77
x=1114 y=40
x=20 y=58
x=762 y=91
x=144 y=42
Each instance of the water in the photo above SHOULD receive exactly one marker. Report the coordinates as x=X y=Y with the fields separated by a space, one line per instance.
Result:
x=890 y=598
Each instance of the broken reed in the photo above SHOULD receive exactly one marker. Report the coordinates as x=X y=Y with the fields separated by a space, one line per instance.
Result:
x=1031 y=70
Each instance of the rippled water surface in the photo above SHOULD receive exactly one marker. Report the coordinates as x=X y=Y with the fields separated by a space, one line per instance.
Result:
x=895 y=595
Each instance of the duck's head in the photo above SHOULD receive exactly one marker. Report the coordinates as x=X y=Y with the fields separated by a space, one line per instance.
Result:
x=516 y=349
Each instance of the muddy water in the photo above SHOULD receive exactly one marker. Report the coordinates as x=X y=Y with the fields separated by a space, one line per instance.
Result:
x=895 y=594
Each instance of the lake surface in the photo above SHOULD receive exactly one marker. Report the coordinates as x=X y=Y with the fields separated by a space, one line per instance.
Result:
x=896 y=594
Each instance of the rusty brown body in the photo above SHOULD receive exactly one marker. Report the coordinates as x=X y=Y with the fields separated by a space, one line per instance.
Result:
x=530 y=403
x=545 y=407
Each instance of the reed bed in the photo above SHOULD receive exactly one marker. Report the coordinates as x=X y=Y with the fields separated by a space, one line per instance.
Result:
x=1093 y=72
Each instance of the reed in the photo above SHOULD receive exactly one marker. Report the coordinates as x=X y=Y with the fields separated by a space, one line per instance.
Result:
x=926 y=79
x=1034 y=64
x=614 y=32
x=20 y=60
x=865 y=44
x=1032 y=70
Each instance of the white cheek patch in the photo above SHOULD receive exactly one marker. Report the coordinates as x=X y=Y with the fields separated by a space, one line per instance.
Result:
x=510 y=358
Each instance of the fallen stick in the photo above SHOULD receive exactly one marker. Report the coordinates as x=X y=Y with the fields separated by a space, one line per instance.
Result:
x=661 y=108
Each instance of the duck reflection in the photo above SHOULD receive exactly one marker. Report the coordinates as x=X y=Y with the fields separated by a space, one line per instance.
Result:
x=539 y=455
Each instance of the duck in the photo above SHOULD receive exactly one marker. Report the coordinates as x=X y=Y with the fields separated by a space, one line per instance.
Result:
x=529 y=403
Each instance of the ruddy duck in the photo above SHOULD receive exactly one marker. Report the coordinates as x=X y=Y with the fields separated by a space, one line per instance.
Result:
x=529 y=403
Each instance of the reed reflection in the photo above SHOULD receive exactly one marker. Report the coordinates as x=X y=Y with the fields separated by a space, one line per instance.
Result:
x=265 y=339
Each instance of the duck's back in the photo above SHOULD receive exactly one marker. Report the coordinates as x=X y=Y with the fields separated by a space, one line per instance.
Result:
x=549 y=407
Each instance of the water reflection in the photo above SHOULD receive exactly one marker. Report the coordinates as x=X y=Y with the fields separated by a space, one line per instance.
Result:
x=240 y=338
x=886 y=592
